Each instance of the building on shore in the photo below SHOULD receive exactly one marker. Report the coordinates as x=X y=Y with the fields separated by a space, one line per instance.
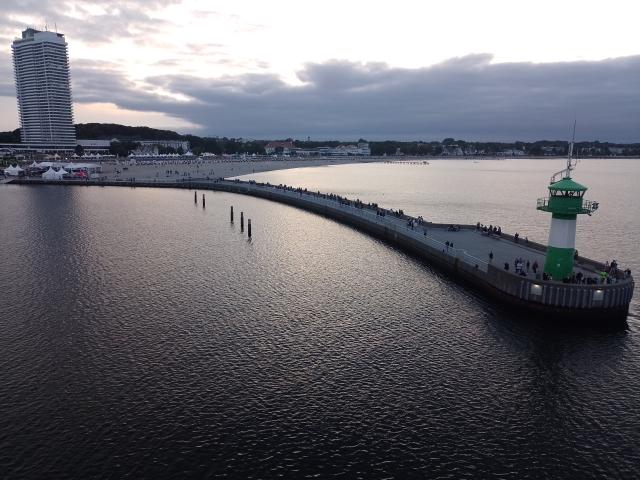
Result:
x=95 y=146
x=290 y=149
x=280 y=148
x=41 y=69
x=173 y=144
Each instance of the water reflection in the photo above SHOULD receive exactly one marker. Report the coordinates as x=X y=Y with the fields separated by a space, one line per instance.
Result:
x=136 y=329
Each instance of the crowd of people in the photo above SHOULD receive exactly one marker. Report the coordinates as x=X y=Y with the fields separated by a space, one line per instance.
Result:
x=610 y=275
x=612 y=270
x=357 y=203
x=520 y=266
x=490 y=230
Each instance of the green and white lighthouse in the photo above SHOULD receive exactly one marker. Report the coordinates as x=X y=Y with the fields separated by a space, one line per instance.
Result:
x=565 y=202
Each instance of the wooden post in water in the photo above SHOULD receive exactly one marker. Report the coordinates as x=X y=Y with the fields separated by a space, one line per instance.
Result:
x=242 y=221
x=249 y=227
x=231 y=213
x=203 y=201
x=195 y=197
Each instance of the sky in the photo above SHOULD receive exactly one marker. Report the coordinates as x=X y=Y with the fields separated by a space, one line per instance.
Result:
x=501 y=70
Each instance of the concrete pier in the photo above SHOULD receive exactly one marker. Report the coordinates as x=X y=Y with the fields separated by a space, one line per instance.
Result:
x=468 y=258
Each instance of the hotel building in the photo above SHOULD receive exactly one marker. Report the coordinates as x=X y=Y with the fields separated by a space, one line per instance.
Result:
x=41 y=68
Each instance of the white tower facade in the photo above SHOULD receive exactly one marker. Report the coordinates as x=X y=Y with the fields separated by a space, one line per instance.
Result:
x=41 y=68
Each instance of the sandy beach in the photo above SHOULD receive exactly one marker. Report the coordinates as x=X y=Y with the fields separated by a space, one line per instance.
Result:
x=214 y=168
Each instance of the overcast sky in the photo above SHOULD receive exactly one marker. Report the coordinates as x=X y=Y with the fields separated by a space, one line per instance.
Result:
x=476 y=70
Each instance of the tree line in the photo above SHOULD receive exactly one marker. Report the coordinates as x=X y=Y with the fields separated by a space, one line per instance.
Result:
x=126 y=138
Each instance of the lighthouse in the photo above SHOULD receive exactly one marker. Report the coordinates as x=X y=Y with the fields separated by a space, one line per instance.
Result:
x=565 y=202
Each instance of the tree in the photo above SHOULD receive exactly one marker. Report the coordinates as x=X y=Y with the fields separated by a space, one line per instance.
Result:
x=10 y=137
x=112 y=130
x=79 y=150
x=162 y=150
x=122 y=149
x=536 y=150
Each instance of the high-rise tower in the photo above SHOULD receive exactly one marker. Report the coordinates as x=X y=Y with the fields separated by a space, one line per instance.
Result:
x=41 y=68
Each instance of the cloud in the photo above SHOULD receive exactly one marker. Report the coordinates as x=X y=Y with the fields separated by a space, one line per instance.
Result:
x=467 y=97
x=94 y=22
x=7 y=85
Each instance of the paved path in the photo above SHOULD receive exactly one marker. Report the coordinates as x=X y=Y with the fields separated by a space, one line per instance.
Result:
x=479 y=245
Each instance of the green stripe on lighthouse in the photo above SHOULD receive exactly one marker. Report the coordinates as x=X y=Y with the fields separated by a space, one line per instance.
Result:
x=559 y=262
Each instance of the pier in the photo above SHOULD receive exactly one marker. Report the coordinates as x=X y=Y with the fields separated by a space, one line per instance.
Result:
x=462 y=251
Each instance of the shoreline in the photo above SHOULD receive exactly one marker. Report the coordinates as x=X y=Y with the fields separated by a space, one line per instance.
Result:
x=176 y=170
x=171 y=170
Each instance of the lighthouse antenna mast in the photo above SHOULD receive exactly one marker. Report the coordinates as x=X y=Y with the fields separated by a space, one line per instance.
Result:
x=571 y=162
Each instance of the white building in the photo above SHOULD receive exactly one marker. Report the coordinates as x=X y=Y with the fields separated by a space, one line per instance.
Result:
x=511 y=152
x=95 y=146
x=175 y=144
x=362 y=149
x=41 y=68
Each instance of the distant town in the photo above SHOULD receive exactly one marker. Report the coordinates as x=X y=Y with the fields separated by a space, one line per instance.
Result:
x=113 y=140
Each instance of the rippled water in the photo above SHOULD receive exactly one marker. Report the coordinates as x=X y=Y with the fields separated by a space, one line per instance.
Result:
x=144 y=337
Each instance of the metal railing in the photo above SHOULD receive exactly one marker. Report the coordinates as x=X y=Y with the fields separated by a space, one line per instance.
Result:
x=394 y=224
x=588 y=206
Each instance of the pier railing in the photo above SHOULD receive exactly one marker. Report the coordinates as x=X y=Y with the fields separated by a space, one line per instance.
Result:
x=397 y=225
x=562 y=295
x=587 y=207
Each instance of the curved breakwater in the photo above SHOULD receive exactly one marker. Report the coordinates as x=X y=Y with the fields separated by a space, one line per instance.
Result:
x=461 y=253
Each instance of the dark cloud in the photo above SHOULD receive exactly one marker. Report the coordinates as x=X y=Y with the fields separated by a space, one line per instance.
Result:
x=466 y=97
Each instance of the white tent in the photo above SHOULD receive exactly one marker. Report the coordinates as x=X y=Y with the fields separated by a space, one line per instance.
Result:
x=62 y=172
x=13 y=171
x=51 y=174
x=34 y=164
